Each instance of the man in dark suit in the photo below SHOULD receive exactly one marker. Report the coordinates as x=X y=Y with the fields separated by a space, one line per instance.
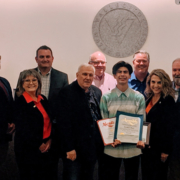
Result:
x=174 y=164
x=78 y=111
x=6 y=125
x=52 y=82
x=52 y=79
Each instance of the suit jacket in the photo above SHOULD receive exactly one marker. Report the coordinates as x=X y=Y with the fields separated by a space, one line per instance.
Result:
x=29 y=124
x=5 y=110
x=161 y=116
x=75 y=122
x=58 y=80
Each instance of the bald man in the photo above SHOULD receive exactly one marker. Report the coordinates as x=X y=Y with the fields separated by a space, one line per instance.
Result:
x=104 y=81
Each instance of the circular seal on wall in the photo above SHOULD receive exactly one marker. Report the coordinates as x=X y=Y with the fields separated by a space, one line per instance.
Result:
x=120 y=29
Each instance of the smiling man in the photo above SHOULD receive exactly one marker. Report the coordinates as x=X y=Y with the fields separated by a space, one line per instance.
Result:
x=122 y=98
x=138 y=78
x=78 y=111
x=102 y=80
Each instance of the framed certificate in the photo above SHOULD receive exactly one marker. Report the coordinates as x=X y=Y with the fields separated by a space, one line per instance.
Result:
x=146 y=132
x=128 y=127
x=107 y=128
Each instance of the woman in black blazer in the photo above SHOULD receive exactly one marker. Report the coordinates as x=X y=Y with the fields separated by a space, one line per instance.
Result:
x=33 y=129
x=160 y=107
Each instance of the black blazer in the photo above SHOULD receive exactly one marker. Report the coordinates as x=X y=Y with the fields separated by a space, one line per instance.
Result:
x=5 y=110
x=29 y=128
x=75 y=123
x=162 y=121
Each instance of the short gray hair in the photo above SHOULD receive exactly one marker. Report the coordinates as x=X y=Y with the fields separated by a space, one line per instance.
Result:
x=142 y=52
x=23 y=76
x=86 y=65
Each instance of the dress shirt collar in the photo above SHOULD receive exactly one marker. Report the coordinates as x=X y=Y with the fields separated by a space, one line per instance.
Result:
x=99 y=78
x=133 y=77
x=126 y=93
x=46 y=74
x=29 y=99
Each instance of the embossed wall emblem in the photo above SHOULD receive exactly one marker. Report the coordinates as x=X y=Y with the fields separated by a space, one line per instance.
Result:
x=120 y=29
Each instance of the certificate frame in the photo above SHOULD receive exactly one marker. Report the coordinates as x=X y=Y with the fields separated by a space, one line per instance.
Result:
x=146 y=139
x=136 y=116
x=103 y=123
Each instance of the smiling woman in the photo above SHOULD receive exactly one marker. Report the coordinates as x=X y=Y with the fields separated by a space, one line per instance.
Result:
x=160 y=108
x=34 y=154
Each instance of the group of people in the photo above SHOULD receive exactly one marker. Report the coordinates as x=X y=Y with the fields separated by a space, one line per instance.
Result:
x=53 y=119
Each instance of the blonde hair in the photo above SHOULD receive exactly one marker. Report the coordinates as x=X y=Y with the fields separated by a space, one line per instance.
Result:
x=165 y=80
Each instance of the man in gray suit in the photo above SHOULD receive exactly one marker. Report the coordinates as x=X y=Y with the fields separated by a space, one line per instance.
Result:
x=52 y=82
x=52 y=79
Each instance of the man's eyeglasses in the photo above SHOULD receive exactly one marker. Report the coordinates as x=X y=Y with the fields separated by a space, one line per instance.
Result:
x=98 y=62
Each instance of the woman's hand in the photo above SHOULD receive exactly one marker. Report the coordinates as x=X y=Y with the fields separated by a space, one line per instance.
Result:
x=45 y=147
x=164 y=157
x=116 y=142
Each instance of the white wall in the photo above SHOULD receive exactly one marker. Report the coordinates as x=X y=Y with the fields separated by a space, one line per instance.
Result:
x=65 y=26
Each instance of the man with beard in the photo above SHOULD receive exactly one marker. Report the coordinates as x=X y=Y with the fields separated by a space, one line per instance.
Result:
x=104 y=81
x=138 y=78
x=175 y=157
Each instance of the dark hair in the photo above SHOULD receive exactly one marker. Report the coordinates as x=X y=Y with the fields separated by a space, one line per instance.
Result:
x=122 y=64
x=23 y=75
x=45 y=48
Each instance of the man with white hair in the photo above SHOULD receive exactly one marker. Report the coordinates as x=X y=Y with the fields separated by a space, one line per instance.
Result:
x=102 y=80
x=138 y=78
x=78 y=110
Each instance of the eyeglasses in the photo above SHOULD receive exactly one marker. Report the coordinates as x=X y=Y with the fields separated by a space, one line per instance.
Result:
x=98 y=62
x=141 y=61
x=29 y=81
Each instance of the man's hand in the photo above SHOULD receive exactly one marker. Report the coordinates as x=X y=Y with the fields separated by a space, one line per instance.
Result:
x=164 y=157
x=140 y=145
x=116 y=142
x=71 y=155
x=11 y=128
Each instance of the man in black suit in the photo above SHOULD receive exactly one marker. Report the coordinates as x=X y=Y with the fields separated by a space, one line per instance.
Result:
x=78 y=111
x=6 y=125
